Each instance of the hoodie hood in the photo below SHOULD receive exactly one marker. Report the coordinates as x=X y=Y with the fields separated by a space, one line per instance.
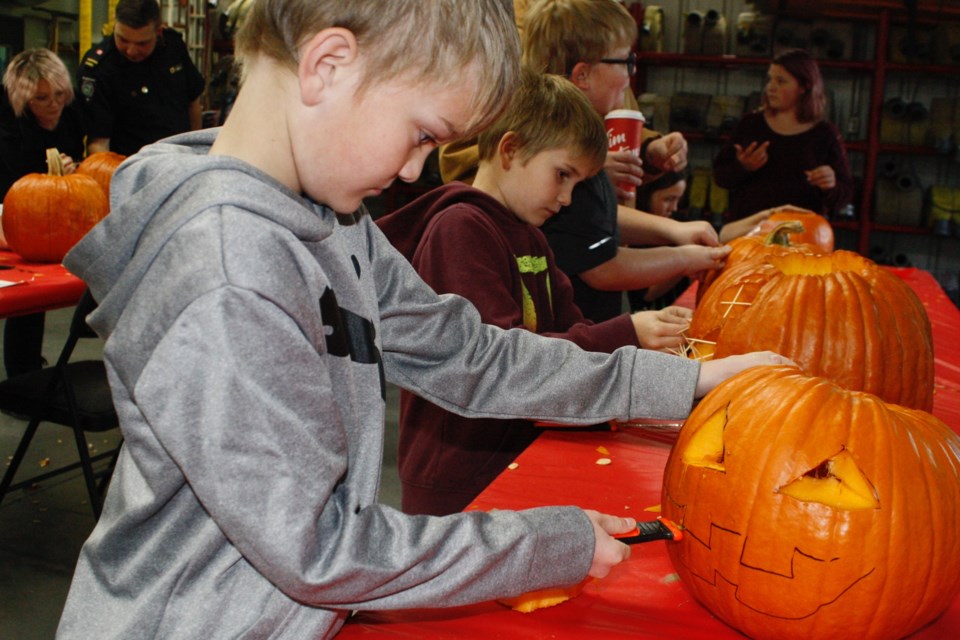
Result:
x=151 y=197
x=405 y=226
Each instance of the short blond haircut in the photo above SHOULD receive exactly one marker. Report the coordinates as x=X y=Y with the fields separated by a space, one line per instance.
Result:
x=557 y=34
x=442 y=42
x=27 y=69
x=549 y=112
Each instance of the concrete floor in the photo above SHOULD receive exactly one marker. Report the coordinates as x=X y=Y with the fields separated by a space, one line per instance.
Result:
x=42 y=528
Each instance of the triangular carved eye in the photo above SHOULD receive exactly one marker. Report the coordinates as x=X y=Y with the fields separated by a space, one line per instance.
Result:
x=705 y=448
x=836 y=482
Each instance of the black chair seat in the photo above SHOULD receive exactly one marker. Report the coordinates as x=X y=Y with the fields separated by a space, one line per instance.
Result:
x=26 y=395
x=71 y=394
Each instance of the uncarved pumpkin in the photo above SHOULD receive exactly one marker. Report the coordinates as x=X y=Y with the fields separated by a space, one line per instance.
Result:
x=100 y=166
x=817 y=230
x=44 y=215
x=810 y=511
x=840 y=316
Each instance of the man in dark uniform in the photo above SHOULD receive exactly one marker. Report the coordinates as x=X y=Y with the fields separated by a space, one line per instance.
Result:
x=139 y=85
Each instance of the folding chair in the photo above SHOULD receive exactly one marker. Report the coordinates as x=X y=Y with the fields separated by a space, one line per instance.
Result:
x=70 y=394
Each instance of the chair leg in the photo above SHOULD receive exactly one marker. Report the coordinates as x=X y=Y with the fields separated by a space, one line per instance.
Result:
x=88 y=475
x=18 y=456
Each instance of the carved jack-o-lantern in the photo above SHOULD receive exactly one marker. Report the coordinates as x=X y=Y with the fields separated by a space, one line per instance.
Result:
x=810 y=511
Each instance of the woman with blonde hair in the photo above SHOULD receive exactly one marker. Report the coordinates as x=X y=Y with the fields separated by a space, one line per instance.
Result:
x=36 y=113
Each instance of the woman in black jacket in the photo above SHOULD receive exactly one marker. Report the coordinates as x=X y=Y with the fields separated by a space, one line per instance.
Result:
x=36 y=112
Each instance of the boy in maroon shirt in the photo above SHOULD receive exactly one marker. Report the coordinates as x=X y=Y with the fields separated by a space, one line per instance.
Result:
x=484 y=243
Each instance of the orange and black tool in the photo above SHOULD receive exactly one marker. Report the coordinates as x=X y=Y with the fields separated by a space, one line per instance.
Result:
x=659 y=529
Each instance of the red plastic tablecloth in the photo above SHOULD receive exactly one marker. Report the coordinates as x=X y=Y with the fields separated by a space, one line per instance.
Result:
x=642 y=597
x=41 y=287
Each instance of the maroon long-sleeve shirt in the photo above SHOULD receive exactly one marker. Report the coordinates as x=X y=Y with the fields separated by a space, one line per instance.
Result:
x=463 y=241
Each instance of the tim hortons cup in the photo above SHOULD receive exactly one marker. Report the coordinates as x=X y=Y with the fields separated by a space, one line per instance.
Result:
x=624 y=129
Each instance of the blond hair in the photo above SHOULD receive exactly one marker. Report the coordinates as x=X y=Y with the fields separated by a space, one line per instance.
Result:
x=557 y=34
x=548 y=112
x=435 y=41
x=27 y=69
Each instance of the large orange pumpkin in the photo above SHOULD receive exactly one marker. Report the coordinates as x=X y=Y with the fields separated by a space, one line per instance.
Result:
x=840 y=316
x=100 y=166
x=816 y=231
x=810 y=511
x=776 y=241
x=44 y=215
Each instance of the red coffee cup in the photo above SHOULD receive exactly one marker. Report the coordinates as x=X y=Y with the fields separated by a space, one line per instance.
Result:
x=624 y=129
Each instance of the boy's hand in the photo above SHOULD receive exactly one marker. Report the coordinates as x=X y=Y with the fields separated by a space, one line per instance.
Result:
x=608 y=552
x=754 y=156
x=624 y=166
x=668 y=153
x=713 y=372
x=661 y=330
x=698 y=259
x=823 y=177
x=695 y=232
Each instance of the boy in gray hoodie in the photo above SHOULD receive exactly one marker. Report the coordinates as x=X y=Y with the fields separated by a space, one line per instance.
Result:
x=252 y=314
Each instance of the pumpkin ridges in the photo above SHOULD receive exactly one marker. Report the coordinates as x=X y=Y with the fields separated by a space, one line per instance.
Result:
x=875 y=335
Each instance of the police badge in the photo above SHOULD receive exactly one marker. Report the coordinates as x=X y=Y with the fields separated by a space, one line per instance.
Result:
x=86 y=88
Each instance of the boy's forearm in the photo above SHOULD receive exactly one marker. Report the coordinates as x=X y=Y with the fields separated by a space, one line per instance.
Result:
x=635 y=268
x=642 y=228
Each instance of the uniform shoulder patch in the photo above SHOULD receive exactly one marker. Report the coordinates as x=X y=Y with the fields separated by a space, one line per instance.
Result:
x=87 y=86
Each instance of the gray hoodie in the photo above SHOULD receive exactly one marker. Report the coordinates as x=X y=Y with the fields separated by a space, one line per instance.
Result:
x=249 y=334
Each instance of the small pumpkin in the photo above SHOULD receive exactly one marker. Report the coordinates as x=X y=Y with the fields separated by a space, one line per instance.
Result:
x=44 y=215
x=100 y=166
x=777 y=241
x=817 y=230
x=810 y=511
x=840 y=316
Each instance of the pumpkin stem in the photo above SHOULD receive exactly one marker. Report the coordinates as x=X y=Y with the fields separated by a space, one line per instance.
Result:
x=54 y=162
x=780 y=235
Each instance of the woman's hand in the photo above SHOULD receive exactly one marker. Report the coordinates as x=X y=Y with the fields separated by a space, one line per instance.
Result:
x=68 y=164
x=823 y=177
x=753 y=156
x=713 y=372
x=608 y=551
x=661 y=330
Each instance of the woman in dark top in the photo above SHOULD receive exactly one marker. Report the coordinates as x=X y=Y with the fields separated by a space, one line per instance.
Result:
x=36 y=113
x=786 y=153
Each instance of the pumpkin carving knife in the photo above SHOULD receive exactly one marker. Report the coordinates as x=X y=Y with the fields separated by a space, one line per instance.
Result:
x=659 y=529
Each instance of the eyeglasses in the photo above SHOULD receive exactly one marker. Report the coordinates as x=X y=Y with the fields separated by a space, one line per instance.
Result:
x=630 y=61
x=47 y=99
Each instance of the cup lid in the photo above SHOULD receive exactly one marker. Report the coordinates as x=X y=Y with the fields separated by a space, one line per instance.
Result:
x=625 y=113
